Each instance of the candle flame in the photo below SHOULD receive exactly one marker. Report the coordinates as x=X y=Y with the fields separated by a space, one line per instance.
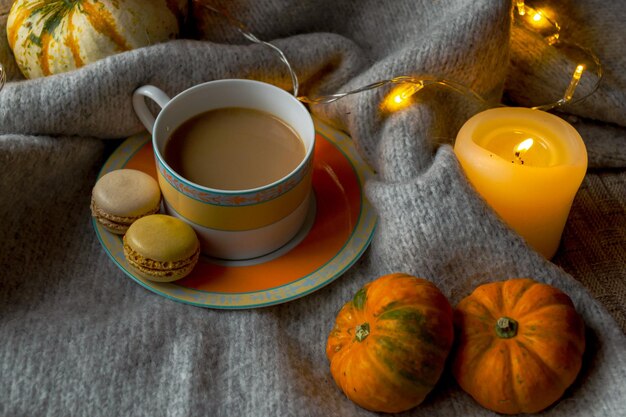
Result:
x=521 y=149
x=523 y=146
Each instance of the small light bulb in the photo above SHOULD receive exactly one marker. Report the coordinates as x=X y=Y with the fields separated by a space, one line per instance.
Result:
x=521 y=7
x=571 y=88
x=552 y=39
x=400 y=95
x=579 y=71
x=537 y=17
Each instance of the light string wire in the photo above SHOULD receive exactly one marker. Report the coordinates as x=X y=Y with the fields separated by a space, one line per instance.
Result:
x=3 y=76
x=252 y=38
x=409 y=85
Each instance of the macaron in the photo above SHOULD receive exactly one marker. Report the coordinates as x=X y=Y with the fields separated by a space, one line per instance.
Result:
x=161 y=248
x=123 y=196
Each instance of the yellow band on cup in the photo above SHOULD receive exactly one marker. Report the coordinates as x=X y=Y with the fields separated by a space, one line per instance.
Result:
x=235 y=218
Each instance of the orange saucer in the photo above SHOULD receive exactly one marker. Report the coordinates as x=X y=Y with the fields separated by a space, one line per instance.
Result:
x=339 y=230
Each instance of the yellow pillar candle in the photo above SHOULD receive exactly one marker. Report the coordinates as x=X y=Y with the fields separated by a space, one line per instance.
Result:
x=528 y=165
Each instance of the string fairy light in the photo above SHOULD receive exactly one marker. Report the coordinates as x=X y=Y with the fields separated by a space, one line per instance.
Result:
x=539 y=21
x=407 y=86
x=399 y=96
x=551 y=32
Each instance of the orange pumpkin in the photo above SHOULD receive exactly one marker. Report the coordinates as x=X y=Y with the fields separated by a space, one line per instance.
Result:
x=520 y=345
x=390 y=342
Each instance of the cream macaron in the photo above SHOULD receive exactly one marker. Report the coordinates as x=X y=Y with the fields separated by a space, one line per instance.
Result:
x=122 y=196
x=161 y=248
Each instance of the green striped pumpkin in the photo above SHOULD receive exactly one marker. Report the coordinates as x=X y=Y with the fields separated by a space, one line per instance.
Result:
x=53 y=36
x=389 y=344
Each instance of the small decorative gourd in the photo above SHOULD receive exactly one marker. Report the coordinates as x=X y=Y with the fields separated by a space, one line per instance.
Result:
x=53 y=36
x=520 y=345
x=389 y=344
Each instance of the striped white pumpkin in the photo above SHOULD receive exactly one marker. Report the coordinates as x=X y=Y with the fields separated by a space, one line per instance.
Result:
x=53 y=36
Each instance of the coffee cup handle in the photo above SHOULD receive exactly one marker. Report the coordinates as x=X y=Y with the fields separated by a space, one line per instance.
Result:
x=141 y=108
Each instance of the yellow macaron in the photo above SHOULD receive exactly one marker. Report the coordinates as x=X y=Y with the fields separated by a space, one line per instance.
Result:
x=122 y=196
x=161 y=248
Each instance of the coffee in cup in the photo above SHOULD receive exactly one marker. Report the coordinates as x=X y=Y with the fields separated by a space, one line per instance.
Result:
x=234 y=149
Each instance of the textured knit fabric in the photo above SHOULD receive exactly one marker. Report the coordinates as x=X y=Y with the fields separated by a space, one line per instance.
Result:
x=79 y=338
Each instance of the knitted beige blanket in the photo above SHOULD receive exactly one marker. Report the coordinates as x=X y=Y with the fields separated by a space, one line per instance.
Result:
x=79 y=338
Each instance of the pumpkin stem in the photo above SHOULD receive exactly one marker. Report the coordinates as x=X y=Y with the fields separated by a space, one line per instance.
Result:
x=506 y=327
x=362 y=331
